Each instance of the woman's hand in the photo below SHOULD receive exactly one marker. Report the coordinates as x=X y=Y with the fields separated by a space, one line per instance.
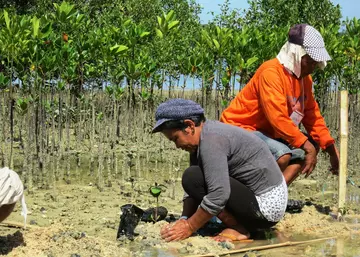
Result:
x=176 y=231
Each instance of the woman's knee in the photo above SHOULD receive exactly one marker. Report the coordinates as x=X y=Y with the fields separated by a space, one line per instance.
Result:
x=191 y=176
x=193 y=182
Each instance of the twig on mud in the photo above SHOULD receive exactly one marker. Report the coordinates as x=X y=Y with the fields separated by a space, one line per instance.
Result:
x=264 y=247
x=14 y=224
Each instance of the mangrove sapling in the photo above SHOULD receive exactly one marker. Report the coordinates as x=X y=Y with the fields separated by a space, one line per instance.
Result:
x=155 y=191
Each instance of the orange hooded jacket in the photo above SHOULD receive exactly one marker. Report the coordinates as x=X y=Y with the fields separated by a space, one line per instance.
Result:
x=267 y=101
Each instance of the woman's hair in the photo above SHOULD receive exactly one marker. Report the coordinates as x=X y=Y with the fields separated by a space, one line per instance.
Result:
x=180 y=124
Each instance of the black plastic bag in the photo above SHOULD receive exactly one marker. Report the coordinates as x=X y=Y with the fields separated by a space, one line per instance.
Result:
x=130 y=217
x=149 y=214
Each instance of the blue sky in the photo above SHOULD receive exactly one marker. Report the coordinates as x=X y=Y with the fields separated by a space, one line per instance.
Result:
x=349 y=8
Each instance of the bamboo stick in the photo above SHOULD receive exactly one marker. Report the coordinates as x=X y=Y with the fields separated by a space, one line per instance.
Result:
x=344 y=128
x=263 y=247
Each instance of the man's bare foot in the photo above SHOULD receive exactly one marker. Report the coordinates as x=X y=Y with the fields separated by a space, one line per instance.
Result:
x=230 y=235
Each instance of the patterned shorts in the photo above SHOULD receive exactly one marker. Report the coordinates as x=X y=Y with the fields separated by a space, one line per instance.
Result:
x=273 y=203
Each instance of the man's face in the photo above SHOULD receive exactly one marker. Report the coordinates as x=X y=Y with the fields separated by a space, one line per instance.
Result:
x=308 y=65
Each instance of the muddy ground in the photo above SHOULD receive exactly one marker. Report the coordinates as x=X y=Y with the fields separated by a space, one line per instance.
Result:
x=79 y=220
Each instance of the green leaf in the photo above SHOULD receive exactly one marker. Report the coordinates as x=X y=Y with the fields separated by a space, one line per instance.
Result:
x=100 y=116
x=216 y=43
x=170 y=15
x=160 y=21
x=173 y=24
x=22 y=104
x=159 y=33
x=61 y=85
x=45 y=32
x=109 y=90
x=251 y=61
x=218 y=30
x=224 y=103
x=155 y=191
x=127 y=22
x=7 y=20
x=144 y=34
x=118 y=48
x=3 y=81
x=24 y=21
x=35 y=26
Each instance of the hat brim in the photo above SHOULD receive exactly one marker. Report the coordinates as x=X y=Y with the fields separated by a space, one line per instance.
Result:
x=318 y=54
x=158 y=124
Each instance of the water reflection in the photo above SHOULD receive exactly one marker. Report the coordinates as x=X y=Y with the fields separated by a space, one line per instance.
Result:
x=339 y=247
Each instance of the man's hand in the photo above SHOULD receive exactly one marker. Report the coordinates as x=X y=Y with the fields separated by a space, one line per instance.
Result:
x=334 y=158
x=176 y=231
x=310 y=158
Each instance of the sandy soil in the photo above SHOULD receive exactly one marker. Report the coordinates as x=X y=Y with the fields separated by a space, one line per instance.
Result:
x=79 y=220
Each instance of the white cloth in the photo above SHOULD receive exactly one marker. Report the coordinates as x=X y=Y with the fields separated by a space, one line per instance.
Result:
x=290 y=56
x=273 y=204
x=12 y=189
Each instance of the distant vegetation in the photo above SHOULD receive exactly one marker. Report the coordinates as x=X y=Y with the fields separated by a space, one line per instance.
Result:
x=80 y=79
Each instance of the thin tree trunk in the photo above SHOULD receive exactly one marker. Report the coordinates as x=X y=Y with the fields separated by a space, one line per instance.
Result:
x=3 y=131
x=202 y=89
x=67 y=129
x=12 y=103
x=92 y=135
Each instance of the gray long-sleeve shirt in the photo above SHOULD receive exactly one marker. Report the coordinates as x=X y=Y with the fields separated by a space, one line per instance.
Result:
x=226 y=150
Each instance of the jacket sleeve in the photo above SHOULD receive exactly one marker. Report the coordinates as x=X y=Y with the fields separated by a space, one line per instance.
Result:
x=272 y=99
x=314 y=122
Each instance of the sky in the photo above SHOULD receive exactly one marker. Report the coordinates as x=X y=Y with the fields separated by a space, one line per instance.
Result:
x=349 y=8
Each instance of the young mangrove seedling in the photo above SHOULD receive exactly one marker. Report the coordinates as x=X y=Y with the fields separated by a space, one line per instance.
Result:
x=155 y=191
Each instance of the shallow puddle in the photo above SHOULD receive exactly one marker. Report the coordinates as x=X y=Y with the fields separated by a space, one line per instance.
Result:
x=296 y=245
x=339 y=247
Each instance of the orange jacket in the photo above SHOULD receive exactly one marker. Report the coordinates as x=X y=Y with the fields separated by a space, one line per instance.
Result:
x=265 y=104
